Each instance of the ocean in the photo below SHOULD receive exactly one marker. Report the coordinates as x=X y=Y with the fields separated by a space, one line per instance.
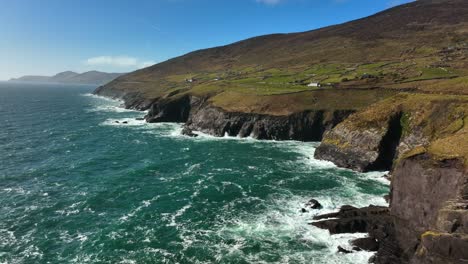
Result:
x=83 y=181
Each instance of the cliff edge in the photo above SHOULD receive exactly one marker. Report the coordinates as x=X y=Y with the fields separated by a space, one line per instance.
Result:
x=423 y=140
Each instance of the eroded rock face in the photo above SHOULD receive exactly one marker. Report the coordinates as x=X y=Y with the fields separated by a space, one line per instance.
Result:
x=429 y=202
x=304 y=126
x=427 y=221
x=442 y=248
x=374 y=220
x=170 y=110
x=200 y=115
x=363 y=150
x=352 y=220
x=366 y=243
x=428 y=216
x=422 y=186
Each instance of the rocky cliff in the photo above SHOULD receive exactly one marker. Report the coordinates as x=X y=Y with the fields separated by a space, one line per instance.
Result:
x=199 y=114
x=422 y=139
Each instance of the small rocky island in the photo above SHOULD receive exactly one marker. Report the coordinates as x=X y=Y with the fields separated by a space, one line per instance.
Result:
x=393 y=96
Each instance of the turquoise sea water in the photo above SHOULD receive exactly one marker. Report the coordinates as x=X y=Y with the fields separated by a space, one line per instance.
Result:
x=77 y=187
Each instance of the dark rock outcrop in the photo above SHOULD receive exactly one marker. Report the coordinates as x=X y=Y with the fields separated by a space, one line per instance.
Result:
x=304 y=126
x=352 y=220
x=188 y=132
x=442 y=248
x=371 y=149
x=429 y=200
x=170 y=110
x=314 y=204
x=343 y=250
x=199 y=114
x=366 y=243
x=427 y=221
x=374 y=220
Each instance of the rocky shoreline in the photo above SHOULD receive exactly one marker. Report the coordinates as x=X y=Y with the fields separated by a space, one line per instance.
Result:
x=199 y=114
x=427 y=220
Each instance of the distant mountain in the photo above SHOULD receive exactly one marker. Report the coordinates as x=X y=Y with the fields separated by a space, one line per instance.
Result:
x=91 y=77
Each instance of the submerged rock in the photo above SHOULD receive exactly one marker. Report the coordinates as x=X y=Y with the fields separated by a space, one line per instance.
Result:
x=188 y=132
x=314 y=204
x=374 y=220
x=352 y=220
x=343 y=250
x=366 y=243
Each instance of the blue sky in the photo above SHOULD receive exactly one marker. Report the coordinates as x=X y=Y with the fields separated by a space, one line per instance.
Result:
x=43 y=37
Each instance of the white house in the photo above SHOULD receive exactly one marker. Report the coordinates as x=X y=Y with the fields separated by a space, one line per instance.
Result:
x=314 y=84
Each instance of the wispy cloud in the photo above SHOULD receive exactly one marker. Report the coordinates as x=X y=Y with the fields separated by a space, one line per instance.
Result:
x=118 y=61
x=146 y=64
x=269 y=2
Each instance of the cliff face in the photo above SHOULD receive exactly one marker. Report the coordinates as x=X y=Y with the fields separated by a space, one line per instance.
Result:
x=372 y=149
x=303 y=126
x=198 y=114
x=429 y=204
x=422 y=139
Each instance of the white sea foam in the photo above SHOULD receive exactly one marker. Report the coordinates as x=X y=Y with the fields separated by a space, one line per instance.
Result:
x=283 y=223
x=179 y=213
x=124 y=122
x=376 y=176
x=144 y=204
x=201 y=136
x=105 y=104
x=17 y=190
x=307 y=150
x=104 y=98
x=112 y=108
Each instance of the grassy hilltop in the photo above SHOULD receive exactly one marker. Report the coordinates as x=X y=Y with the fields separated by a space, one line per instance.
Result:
x=417 y=47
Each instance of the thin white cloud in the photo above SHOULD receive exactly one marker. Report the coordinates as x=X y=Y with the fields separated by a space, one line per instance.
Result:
x=118 y=61
x=269 y=2
x=146 y=64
